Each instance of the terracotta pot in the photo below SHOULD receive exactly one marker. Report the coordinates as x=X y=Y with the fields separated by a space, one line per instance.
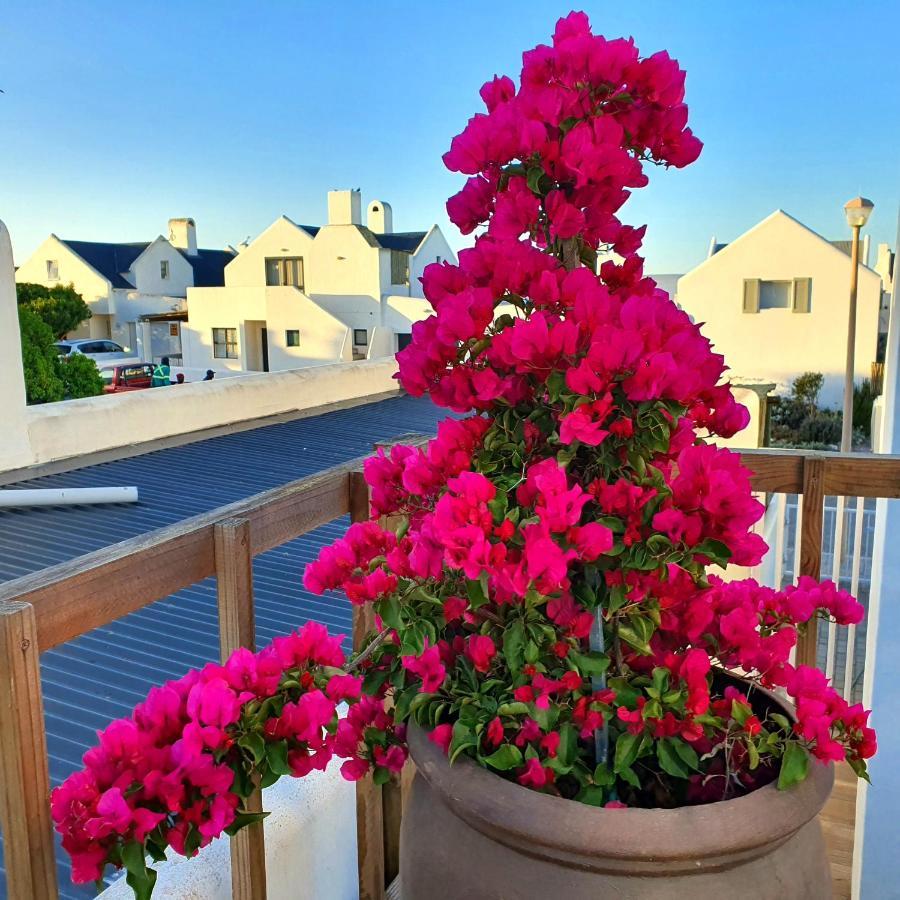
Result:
x=467 y=833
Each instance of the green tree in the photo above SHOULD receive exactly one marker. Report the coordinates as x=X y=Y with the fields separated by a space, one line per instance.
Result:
x=80 y=376
x=805 y=390
x=40 y=360
x=60 y=306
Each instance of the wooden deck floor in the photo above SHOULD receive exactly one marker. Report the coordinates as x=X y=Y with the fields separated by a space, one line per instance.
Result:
x=838 y=820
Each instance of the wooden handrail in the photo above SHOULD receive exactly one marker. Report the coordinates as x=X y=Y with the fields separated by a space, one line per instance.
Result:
x=47 y=608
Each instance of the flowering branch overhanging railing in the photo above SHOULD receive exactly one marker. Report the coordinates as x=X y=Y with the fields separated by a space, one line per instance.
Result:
x=579 y=490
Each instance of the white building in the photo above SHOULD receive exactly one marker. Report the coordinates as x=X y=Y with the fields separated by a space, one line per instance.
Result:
x=136 y=292
x=301 y=295
x=776 y=303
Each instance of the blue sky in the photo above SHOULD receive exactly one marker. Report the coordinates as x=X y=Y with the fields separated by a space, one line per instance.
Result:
x=117 y=116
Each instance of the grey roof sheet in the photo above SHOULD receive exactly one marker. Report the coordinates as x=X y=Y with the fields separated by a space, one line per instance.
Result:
x=103 y=674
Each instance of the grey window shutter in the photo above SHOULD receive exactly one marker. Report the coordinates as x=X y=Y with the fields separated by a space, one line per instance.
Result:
x=751 y=295
x=802 y=295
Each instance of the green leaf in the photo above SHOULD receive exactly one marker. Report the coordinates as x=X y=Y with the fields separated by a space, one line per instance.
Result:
x=628 y=775
x=463 y=738
x=516 y=708
x=505 y=758
x=753 y=753
x=533 y=179
x=740 y=712
x=381 y=776
x=794 y=766
x=242 y=819
x=498 y=506
x=514 y=646
x=255 y=744
x=592 y=795
x=476 y=592
x=591 y=663
x=568 y=745
x=687 y=753
x=276 y=756
x=140 y=879
x=627 y=746
x=669 y=760
x=389 y=610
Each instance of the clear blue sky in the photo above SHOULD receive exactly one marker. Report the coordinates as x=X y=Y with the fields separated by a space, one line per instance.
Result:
x=117 y=116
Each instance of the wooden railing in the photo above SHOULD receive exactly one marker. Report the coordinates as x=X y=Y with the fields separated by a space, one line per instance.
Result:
x=43 y=610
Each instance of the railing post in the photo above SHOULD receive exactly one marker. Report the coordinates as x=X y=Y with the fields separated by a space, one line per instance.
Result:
x=237 y=628
x=811 y=545
x=369 y=813
x=24 y=778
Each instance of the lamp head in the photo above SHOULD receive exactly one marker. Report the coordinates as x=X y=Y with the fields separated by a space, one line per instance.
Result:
x=858 y=211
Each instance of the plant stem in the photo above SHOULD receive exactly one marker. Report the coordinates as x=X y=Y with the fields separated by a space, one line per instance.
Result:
x=373 y=646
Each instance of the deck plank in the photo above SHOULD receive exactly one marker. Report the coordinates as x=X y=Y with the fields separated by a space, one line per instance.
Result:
x=838 y=820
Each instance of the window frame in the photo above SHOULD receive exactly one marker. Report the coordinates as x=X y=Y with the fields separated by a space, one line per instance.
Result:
x=55 y=272
x=228 y=343
x=365 y=341
x=281 y=271
x=400 y=266
x=164 y=269
x=783 y=284
x=292 y=337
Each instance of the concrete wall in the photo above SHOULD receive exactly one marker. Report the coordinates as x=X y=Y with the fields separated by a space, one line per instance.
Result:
x=778 y=344
x=55 y=431
x=310 y=848
x=278 y=309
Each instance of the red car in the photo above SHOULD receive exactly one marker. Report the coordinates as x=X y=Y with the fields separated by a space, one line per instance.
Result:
x=134 y=377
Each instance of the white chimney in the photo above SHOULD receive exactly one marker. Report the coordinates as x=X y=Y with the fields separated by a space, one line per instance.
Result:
x=344 y=208
x=183 y=235
x=380 y=217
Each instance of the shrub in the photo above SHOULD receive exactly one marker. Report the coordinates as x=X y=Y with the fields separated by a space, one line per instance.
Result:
x=61 y=307
x=863 y=399
x=39 y=359
x=80 y=376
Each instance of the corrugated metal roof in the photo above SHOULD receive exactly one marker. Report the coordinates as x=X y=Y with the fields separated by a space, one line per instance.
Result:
x=102 y=675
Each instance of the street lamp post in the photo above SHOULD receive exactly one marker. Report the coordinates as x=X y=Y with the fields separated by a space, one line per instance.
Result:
x=857 y=211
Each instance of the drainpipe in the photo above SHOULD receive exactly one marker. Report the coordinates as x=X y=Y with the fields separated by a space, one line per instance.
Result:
x=14 y=498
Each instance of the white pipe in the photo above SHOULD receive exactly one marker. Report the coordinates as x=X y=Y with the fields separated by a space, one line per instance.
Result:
x=66 y=496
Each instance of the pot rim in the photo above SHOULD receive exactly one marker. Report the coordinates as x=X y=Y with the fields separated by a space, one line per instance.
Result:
x=519 y=817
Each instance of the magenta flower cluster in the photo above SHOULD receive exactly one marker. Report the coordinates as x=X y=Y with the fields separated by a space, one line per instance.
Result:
x=538 y=570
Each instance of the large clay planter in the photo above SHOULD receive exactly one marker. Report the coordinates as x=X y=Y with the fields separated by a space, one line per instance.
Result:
x=468 y=834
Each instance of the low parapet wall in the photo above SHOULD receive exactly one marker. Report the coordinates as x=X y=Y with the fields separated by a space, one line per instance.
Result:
x=310 y=848
x=57 y=431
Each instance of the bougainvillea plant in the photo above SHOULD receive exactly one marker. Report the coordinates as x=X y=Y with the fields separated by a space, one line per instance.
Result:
x=539 y=571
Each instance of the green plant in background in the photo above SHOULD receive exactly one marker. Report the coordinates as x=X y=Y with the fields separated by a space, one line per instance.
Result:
x=60 y=306
x=40 y=359
x=45 y=316
x=863 y=398
x=806 y=389
x=80 y=376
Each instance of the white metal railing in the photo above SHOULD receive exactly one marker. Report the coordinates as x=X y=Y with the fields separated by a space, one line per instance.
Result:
x=847 y=540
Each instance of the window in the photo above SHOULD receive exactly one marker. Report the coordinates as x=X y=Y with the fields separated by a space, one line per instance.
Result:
x=360 y=337
x=111 y=347
x=795 y=295
x=163 y=268
x=52 y=270
x=775 y=294
x=173 y=329
x=284 y=271
x=399 y=267
x=225 y=343
x=292 y=337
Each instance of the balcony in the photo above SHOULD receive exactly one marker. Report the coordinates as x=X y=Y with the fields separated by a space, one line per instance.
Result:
x=213 y=575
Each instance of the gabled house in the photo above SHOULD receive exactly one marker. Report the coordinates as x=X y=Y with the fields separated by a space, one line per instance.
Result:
x=302 y=295
x=127 y=285
x=775 y=301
